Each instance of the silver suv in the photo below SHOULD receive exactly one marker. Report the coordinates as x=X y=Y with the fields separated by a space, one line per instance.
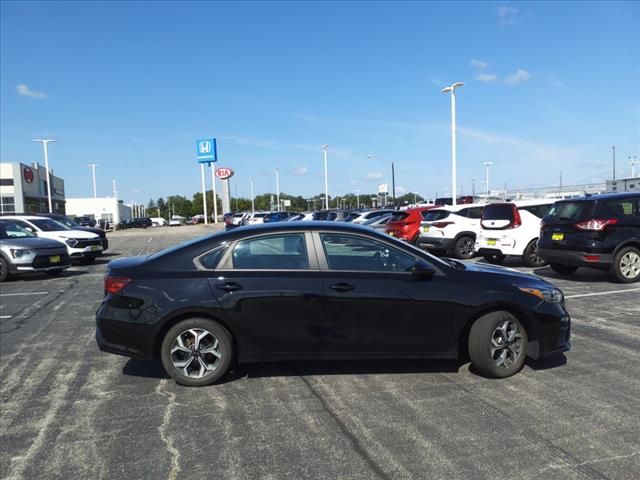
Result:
x=23 y=252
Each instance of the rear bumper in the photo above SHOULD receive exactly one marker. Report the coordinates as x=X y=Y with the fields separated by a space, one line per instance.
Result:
x=124 y=338
x=576 y=258
x=436 y=244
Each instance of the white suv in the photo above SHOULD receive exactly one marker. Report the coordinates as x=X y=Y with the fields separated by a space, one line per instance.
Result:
x=81 y=245
x=451 y=229
x=512 y=228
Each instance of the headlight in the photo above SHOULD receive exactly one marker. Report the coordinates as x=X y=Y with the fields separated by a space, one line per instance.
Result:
x=72 y=242
x=19 y=252
x=551 y=295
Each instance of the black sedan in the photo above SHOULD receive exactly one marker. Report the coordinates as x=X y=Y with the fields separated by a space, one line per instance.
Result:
x=301 y=290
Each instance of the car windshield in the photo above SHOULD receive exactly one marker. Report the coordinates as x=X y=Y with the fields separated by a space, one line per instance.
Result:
x=48 y=225
x=572 y=211
x=434 y=215
x=13 y=230
x=503 y=211
x=67 y=222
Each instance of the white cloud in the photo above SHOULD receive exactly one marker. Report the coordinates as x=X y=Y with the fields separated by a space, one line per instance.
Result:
x=300 y=171
x=373 y=176
x=25 y=91
x=505 y=11
x=479 y=64
x=520 y=76
x=486 y=77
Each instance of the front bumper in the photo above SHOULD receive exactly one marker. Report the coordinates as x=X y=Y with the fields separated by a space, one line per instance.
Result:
x=91 y=251
x=576 y=258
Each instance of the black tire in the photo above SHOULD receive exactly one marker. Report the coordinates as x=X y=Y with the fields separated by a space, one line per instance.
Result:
x=495 y=258
x=463 y=248
x=530 y=256
x=4 y=269
x=214 y=332
x=54 y=273
x=482 y=332
x=563 y=269
x=626 y=265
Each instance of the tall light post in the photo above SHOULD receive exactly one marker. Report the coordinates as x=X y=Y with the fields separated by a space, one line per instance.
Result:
x=93 y=171
x=633 y=161
x=326 y=181
x=45 y=142
x=357 y=198
x=393 y=176
x=278 y=187
x=613 y=150
x=487 y=165
x=452 y=89
x=253 y=205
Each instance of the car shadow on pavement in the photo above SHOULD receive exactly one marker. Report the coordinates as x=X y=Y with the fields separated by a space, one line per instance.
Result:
x=582 y=275
x=32 y=277
x=144 y=368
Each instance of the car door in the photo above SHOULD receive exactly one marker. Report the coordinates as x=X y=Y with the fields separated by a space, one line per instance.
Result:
x=374 y=304
x=269 y=286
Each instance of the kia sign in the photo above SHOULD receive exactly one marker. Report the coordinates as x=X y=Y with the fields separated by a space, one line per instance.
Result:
x=207 y=150
x=27 y=173
x=224 y=173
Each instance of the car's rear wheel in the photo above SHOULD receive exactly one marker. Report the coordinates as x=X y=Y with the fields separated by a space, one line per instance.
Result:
x=497 y=345
x=197 y=352
x=4 y=270
x=494 y=258
x=563 y=269
x=530 y=256
x=626 y=265
x=463 y=249
x=54 y=273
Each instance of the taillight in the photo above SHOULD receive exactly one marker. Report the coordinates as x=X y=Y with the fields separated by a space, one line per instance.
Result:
x=517 y=220
x=441 y=224
x=115 y=284
x=596 y=224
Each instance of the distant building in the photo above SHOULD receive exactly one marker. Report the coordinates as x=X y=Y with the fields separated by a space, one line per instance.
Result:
x=624 y=185
x=23 y=188
x=109 y=209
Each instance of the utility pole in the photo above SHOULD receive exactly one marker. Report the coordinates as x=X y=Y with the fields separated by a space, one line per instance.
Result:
x=326 y=181
x=614 y=162
x=253 y=205
x=473 y=187
x=633 y=161
x=487 y=165
x=277 y=188
x=115 y=192
x=93 y=170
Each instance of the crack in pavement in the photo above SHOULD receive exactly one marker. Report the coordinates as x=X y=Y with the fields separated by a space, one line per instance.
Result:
x=162 y=429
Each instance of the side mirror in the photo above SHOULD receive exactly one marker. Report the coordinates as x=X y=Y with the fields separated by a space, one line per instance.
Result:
x=422 y=270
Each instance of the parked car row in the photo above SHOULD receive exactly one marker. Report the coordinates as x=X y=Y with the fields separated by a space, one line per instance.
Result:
x=46 y=243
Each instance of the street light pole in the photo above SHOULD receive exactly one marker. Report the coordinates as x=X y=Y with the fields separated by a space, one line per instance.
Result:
x=46 y=141
x=613 y=148
x=253 y=205
x=633 y=161
x=487 y=165
x=326 y=180
x=452 y=89
x=93 y=172
x=278 y=187
x=393 y=175
x=357 y=198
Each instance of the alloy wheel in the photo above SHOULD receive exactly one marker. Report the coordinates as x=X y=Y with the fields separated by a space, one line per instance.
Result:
x=506 y=344
x=630 y=265
x=465 y=249
x=196 y=353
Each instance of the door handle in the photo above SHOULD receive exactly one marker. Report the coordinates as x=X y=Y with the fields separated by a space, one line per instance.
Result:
x=342 y=287
x=229 y=286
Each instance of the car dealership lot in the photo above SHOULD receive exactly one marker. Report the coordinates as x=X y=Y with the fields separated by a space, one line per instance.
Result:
x=69 y=410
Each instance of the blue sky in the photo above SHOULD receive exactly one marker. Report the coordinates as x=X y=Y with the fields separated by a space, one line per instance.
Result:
x=550 y=86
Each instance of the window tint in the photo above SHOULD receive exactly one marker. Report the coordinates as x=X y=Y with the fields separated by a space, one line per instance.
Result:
x=9 y=229
x=569 y=211
x=210 y=260
x=48 y=225
x=538 y=210
x=434 y=215
x=274 y=252
x=498 y=211
x=397 y=216
x=350 y=252
x=620 y=208
x=475 y=212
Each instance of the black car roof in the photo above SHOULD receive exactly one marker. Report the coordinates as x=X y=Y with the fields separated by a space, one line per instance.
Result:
x=603 y=196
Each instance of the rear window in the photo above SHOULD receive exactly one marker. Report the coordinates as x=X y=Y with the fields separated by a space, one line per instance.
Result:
x=503 y=211
x=397 y=216
x=434 y=215
x=569 y=211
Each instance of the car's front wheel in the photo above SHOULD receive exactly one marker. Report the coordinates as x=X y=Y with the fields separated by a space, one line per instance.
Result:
x=563 y=269
x=626 y=265
x=497 y=345
x=463 y=248
x=4 y=269
x=197 y=352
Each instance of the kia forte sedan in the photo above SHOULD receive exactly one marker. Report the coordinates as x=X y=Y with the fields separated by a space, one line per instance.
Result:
x=329 y=290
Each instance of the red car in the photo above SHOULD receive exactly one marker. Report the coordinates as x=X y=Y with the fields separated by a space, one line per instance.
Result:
x=405 y=224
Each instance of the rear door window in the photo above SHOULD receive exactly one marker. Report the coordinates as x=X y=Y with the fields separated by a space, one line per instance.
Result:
x=538 y=210
x=434 y=215
x=273 y=252
x=620 y=209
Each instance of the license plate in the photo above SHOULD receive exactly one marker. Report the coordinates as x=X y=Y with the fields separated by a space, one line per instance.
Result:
x=391 y=233
x=54 y=259
x=95 y=248
x=425 y=229
x=557 y=236
x=491 y=241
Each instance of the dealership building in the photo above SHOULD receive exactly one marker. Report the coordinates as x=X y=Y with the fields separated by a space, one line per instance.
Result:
x=23 y=188
x=108 y=209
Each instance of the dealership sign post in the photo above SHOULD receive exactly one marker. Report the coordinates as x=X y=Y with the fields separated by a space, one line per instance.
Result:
x=207 y=152
x=224 y=174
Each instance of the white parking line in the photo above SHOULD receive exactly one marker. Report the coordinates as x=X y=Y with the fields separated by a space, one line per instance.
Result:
x=149 y=241
x=4 y=316
x=26 y=293
x=603 y=293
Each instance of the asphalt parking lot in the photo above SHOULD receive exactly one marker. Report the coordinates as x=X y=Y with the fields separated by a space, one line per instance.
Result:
x=71 y=411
